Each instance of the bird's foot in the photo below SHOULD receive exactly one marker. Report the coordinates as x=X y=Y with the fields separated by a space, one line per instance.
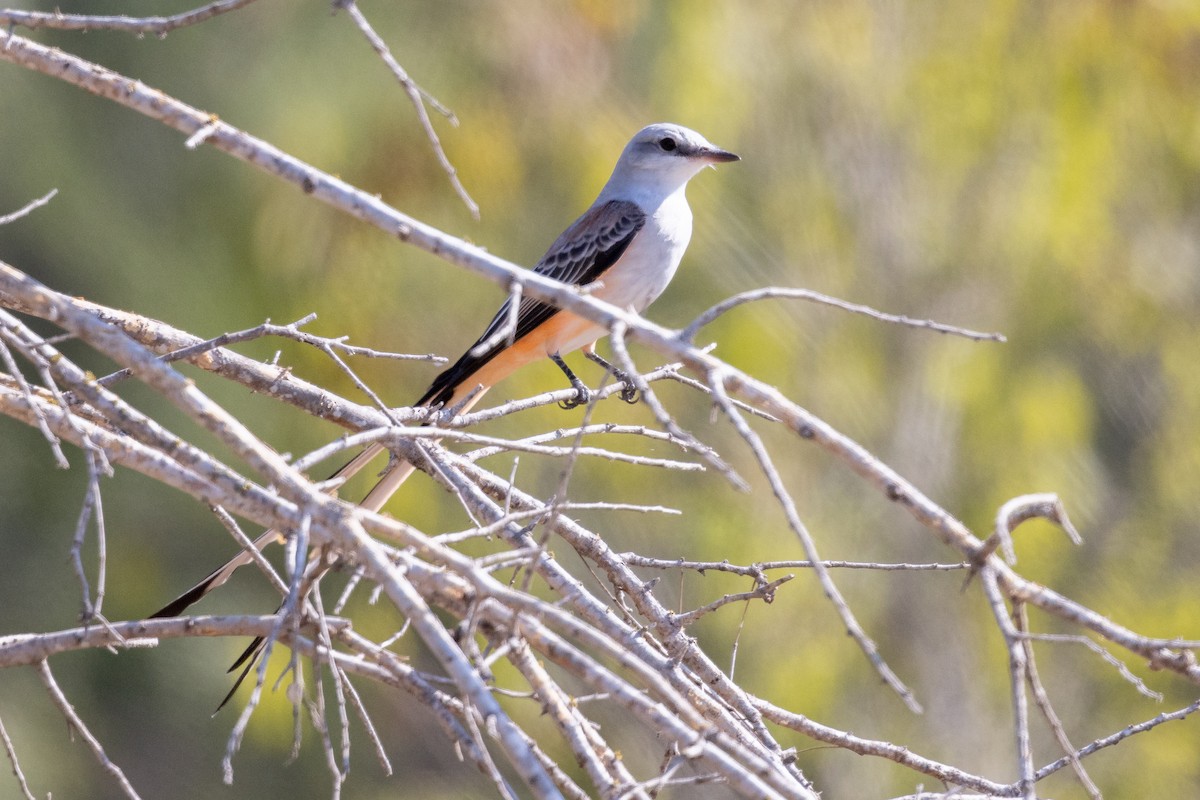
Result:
x=583 y=396
x=629 y=392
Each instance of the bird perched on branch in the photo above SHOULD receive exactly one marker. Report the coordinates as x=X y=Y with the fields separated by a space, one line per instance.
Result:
x=624 y=249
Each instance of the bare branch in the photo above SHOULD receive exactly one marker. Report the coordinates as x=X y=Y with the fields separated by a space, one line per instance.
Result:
x=14 y=372
x=392 y=436
x=1108 y=658
x=418 y=96
x=291 y=331
x=32 y=205
x=764 y=592
x=1119 y=736
x=508 y=331
x=92 y=506
x=688 y=334
x=160 y=26
x=1020 y=509
x=1046 y=706
x=608 y=635
x=601 y=764
x=365 y=718
x=11 y=752
x=951 y=776
x=68 y=711
x=788 y=505
x=1017 y=676
x=754 y=570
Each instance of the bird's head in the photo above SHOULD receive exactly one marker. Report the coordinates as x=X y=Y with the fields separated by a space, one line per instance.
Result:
x=662 y=158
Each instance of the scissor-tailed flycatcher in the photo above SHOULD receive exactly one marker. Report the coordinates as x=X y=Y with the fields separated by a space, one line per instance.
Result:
x=628 y=245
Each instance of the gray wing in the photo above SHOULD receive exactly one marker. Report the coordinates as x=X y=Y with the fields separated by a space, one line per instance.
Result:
x=583 y=253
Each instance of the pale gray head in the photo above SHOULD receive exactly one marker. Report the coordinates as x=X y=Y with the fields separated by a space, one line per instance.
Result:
x=659 y=160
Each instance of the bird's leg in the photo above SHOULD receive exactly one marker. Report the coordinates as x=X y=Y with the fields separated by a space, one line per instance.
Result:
x=629 y=393
x=583 y=394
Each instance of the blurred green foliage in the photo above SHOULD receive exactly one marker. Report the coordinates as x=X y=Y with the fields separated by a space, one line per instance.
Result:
x=1020 y=166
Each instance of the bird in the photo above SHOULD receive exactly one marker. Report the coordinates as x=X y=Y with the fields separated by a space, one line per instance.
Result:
x=624 y=249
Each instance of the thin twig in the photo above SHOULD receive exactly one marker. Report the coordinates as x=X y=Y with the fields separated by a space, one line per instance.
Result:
x=1108 y=658
x=290 y=331
x=1042 y=698
x=638 y=560
x=92 y=507
x=74 y=720
x=318 y=717
x=1017 y=676
x=418 y=96
x=1019 y=509
x=764 y=592
x=1118 y=737
x=538 y=515
x=571 y=723
x=508 y=330
x=32 y=205
x=336 y=675
x=287 y=612
x=60 y=459
x=56 y=20
x=700 y=386
x=360 y=384
x=365 y=717
x=775 y=292
x=391 y=436
x=788 y=505
x=587 y=430
x=737 y=640
x=617 y=343
x=14 y=762
x=244 y=541
x=950 y=775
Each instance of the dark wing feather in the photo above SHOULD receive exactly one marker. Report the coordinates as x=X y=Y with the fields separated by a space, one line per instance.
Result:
x=579 y=256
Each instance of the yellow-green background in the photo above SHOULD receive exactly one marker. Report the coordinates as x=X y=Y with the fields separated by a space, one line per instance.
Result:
x=1027 y=167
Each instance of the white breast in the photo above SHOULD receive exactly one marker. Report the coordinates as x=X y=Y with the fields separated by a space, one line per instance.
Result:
x=650 y=261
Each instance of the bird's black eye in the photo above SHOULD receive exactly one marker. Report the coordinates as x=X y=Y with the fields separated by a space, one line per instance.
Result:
x=667 y=144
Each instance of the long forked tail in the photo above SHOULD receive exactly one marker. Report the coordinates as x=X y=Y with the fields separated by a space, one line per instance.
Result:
x=462 y=385
x=375 y=499
x=223 y=572
x=380 y=493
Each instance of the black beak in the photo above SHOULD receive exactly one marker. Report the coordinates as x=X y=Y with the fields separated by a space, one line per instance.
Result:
x=715 y=155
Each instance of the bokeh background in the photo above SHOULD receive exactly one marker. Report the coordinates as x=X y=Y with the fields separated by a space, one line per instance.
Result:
x=1026 y=167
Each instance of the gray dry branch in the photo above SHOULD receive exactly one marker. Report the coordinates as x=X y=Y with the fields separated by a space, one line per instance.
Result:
x=416 y=573
x=620 y=644
x=583 y=648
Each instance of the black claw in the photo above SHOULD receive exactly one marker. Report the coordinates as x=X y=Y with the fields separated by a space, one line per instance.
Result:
x=582 y=397
x=629 y=392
